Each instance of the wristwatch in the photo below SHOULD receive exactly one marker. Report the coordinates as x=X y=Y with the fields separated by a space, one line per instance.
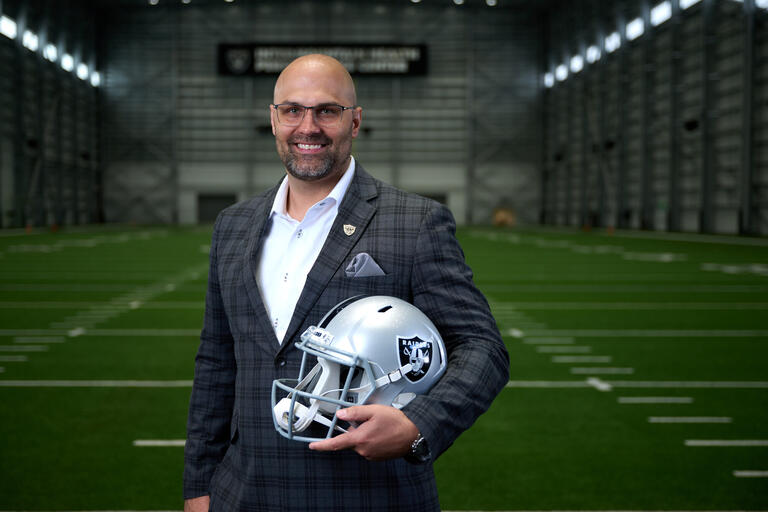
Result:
x=419 y=453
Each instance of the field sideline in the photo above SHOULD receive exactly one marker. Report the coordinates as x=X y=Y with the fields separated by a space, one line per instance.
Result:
x=639 y=371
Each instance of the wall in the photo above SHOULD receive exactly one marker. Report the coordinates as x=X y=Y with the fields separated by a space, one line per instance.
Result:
x=468 y=130
x=665 y=132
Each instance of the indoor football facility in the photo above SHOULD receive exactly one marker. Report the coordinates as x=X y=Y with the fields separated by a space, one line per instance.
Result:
x=605 y=161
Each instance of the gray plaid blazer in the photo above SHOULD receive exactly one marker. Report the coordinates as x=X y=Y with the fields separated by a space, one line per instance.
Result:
x=234 y=453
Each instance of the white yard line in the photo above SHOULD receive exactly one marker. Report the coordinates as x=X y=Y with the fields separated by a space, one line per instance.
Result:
x=159 y=442
x=557 y=384
x=39 y=339
x=582 y=359
x=567 y=349
x=563 y=340
x=655 y=400
x=651 y=333
x=602 y=371
x=750 y=473
x=741 y=443
x=689 y=419
x=96 y=383
x=99 y=332
x=650 y=306
x=14 y=359
x=23 y=348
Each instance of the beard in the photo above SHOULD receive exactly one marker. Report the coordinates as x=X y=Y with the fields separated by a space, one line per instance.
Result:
x=309 y=169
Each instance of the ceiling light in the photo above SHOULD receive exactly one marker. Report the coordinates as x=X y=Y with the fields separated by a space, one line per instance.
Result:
x=8 y=27
x=30 y=41
x=50 y=52
x=67 y=62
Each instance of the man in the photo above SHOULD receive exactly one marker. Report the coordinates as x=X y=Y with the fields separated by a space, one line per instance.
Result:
x=279 y=262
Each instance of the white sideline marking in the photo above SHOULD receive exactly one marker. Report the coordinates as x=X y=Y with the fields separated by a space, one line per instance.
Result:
x=727 y=442
x=581 y=359
x=23 y=348
x=515 y=333
x=159 y=442
x=14 y=359
x=568 y=349
x=653 y=333
x=599 y=384
x=655 y=400
x=96 y=383
x=38 y=339
x=547 y=341
x=602 y=371
x=136 y=304
x=553 y=384
x=120 y=305
x=689 y=419
x=750 y=473
x=77 y=331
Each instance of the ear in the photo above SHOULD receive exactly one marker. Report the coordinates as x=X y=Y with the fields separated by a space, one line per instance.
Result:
x=357 y=118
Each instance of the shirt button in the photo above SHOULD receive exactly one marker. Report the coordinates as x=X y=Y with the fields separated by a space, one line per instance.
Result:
x=285 y=277
x=298 y=235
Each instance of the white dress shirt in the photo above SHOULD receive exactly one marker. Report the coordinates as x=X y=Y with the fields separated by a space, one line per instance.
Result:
x=291 y=248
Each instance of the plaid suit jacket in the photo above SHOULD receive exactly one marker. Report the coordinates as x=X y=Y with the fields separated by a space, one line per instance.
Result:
x=234 y=453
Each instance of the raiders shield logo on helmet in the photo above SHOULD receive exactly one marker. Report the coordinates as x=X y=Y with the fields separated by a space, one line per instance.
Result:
x=418 y=353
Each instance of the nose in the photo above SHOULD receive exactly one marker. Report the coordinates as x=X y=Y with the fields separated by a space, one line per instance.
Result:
x=308 y=124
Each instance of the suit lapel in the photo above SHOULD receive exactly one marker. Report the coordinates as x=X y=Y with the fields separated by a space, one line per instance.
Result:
x=356 y=211
x=260 y=225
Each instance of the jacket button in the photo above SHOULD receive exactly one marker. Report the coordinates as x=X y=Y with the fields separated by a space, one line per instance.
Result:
x=280 y=361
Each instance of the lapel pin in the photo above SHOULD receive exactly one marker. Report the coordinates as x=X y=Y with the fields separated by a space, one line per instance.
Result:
x=349 y=229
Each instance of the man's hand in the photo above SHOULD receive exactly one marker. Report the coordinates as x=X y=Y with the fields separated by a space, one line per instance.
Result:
x=383 y=432
x=200 y=504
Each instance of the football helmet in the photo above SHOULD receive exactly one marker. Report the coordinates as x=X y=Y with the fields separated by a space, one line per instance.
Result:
x=369 y=350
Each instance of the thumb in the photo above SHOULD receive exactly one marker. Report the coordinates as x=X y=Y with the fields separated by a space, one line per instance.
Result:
x=357 y=413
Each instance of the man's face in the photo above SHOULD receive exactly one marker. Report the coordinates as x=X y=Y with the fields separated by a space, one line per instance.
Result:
x=311 y=152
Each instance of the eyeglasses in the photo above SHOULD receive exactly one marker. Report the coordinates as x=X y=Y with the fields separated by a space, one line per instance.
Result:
x=327 y=116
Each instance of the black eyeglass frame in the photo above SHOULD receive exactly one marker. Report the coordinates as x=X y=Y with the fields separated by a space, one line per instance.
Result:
x=305 y=107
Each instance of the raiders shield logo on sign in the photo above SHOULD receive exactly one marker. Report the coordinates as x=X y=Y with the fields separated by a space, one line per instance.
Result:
x=418 y=353
x=238 y=60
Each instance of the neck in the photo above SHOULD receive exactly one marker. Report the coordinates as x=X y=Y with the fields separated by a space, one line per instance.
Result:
x=303 y=194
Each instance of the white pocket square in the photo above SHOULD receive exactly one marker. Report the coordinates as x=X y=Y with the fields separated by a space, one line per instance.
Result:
x=363 y=265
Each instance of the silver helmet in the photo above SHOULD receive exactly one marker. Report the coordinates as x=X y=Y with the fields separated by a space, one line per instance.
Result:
x=369 y=350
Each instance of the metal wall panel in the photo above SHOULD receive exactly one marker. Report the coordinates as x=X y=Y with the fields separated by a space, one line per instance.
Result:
x=681 y=116
x=469 y=130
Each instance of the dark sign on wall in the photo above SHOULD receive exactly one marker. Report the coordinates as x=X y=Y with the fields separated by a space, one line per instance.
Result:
x=359 y=59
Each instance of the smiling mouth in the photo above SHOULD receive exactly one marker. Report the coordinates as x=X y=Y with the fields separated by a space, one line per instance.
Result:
x=309 y=146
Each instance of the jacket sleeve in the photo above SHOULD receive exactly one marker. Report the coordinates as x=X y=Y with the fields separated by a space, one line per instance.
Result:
x=213 y=390
x=478 y=362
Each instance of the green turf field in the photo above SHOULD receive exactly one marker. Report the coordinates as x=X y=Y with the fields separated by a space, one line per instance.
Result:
x=639 y=368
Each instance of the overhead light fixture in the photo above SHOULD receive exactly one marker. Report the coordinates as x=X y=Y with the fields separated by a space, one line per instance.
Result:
x=684 y=4
x=577 y=63
x=635 y=29
x=154 y=2
x=661 y=13
x=415 y=1
x=50 y=52
x=186 y=1
x=612 y=42
x=30 y=41
x=82 y=71
x=593 y=54
x=549 y=80
x=95 y=79
x=67 y=62
x=561 y=72
x=491 y=3
x=8 y=27
x=458 y=2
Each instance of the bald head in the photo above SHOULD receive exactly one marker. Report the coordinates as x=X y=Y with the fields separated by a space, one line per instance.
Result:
x=315 y=74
